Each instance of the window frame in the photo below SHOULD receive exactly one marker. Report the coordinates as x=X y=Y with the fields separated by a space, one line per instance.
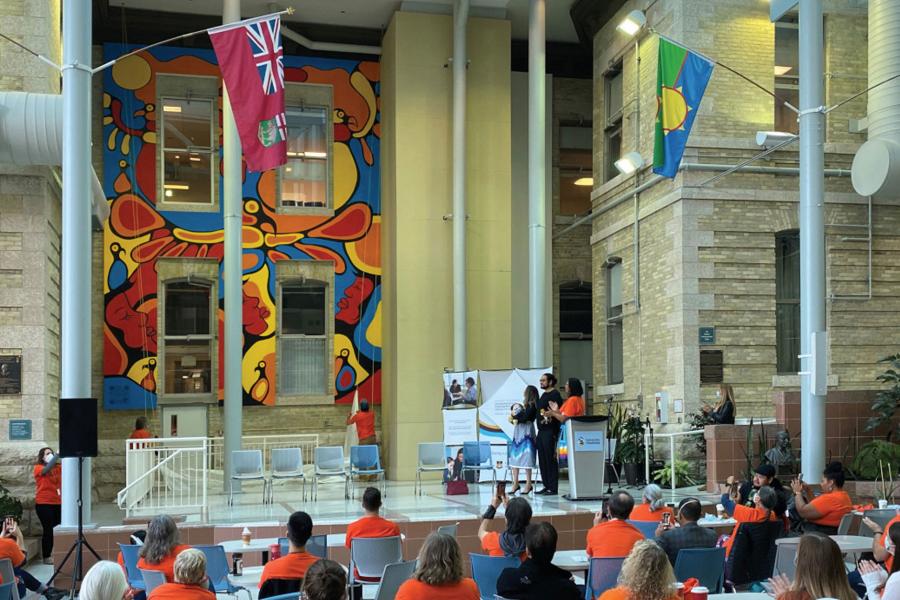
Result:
x=282 y=337
x=613 y=320
x=780 y=360
x=786 y=84
x=613 y=122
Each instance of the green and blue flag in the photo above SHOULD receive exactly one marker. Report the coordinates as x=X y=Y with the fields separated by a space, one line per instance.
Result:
x=681 y=79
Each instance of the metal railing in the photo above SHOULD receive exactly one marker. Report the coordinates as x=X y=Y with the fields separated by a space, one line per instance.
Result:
x=671 y=437
x=162 y=474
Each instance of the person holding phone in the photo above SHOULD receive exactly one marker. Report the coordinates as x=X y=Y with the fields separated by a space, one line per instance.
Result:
x=822 y=513
x=48 y=498
x=510 y=542
x=686 y=533
x=12 y=546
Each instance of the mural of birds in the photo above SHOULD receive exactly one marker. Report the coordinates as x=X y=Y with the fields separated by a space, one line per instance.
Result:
x=118 y=271
x=149 y=380
x=260 y=388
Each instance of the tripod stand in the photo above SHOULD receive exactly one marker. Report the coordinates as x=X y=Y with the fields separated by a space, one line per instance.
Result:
x=77 y=545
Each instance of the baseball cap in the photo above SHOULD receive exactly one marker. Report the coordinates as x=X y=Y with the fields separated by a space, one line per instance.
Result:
x=766 y=470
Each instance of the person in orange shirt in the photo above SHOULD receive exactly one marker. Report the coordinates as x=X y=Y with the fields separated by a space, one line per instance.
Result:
x=325 y=580
x=365 y=423
x=573 y=406
x=764 y=502
x=371 y=525
x=190 y=579
x=614 y=537
x=512 y=541
x=105 y=581
x=439 y=573
x=141 y=430
x=161 y=546
x=12 y=546
x=824 y=512
x=47 y=498
x=653 y=506
x=646 y=575
x=297 y=561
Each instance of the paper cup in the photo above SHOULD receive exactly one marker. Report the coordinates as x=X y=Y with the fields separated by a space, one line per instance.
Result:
x=882 y=504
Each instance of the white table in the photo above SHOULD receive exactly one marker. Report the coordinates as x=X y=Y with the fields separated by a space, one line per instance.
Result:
x=847 y=543
x=574 y=561
x=255 y=545
x=741 y=596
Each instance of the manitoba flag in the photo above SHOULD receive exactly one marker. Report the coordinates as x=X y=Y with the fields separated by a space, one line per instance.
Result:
x=251 y=60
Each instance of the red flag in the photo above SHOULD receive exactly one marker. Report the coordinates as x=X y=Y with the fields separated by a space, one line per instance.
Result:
x=251 y=60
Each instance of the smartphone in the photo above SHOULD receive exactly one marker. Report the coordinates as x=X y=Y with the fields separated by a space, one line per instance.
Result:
x=666 y=519
x=501 y=489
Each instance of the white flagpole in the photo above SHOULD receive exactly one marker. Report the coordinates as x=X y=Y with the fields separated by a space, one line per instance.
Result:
x=351 y=438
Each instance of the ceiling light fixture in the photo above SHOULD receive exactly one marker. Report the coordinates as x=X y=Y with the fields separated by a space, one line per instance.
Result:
x=633 y=23
x=171 y=108
x=629 y=163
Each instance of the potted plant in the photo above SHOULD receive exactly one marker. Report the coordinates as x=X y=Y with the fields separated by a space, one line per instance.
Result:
x=682 y=474
x=631 y=449
x=616 y=419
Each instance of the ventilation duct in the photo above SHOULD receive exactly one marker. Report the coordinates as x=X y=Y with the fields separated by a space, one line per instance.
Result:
x=876 y=166
x=31 y=134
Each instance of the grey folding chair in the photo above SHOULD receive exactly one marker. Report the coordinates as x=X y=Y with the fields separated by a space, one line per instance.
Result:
x=287 y=463
x=153 y=579
x=882 y=516
x=7 y=573
x=449 y=529
x=369 y=556
x=432 y=459
x=784 y=560
x=844 y=525
x=247 y=465
x=329 y=463
x=393 y=577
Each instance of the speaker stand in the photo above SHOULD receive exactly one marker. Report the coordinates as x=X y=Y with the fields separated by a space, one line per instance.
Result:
x=79 y=543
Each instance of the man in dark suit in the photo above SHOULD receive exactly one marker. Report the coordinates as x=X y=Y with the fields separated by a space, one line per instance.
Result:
x=548 y=436
x=538 y=578
x=689 y=534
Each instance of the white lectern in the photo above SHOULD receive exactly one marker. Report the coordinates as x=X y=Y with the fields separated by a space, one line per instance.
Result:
x=586 y=446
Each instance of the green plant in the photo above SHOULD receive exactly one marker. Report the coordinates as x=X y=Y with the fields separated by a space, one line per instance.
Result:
x=615 y=422
x=682 y=474
x=631 y=444
x=699 y=420
x=9 y=504
x=866 y=463
x=887 y=401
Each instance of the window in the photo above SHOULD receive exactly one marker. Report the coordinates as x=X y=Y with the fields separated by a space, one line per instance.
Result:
x=614 y=338
x=303 y=356
x=188 y=338
x=612 y=132
x=787 y=73
x=787 y=301
x=188 y=150
x=575 y=312
x=305 y=181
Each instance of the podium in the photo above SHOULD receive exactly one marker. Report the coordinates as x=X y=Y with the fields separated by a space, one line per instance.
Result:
x=587 y=457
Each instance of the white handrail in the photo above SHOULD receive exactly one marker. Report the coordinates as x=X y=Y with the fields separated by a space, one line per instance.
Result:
x=146 y=475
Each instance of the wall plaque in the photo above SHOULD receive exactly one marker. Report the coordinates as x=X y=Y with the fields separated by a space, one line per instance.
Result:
x=10 y=374
x=19 y=429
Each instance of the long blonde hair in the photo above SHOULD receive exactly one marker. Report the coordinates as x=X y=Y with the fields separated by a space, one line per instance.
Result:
x=726 y=394
x=646 y=573
x=820 y=569
x=440 y=560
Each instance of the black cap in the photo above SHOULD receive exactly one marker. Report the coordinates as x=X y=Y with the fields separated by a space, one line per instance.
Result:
x=766 y=470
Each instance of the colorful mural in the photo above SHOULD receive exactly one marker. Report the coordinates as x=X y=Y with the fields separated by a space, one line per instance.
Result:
x=138 y=234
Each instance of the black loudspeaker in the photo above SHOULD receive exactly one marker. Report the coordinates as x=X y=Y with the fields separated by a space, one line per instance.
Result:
x=77 y=427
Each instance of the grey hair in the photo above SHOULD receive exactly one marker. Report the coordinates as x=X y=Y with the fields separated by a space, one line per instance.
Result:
x=654 y=496
x=104 y=581
x=162 y=537
x=190 y=567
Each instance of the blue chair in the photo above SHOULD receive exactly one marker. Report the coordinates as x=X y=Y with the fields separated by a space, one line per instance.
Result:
x=486 y=570
x=317 y=545
x=292 y=596
x=477 y=457
x=706 y=564
x=648 y=528
x=217 y=571
x=602 y=575
x=6 y=591
x=152 y=579
x=130 y=555
x=364 y=460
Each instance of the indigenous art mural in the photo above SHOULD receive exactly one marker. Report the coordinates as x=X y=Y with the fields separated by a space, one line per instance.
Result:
x=137 y=234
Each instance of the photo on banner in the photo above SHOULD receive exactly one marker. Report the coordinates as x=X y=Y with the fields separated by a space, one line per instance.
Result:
x=460 y=389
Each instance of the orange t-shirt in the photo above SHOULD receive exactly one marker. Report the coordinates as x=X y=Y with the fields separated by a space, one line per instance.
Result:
x=747 y=514
x=166 y=565
x=612 y=539
x=413 y=589
x=490 y=543
x=642 y=512
x=832 y=506
x=289 y=566
x=371 y=527
x=47 y=487
x=181 y=591
x=889 y=561
x=365 y=424
x=573 y=406
x=620 y=593
x=140 y=434
x=10 y=549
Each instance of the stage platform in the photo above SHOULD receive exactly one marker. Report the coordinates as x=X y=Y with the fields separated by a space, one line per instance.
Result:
x=416 y=515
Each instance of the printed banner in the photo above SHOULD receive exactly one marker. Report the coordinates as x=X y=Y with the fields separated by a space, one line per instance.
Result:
x=460 y=389
x=500 y=390
x=460 y=425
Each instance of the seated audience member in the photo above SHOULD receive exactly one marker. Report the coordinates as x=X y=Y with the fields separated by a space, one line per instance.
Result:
x=190 y=579
x=161 y=546
x=12 y=546
x=882 y=550
x=325 y=580
x=512 y=541
x=688 y=534
x=372 y=525
x=823 y=513
x=104 y=581
x=820 y=572
x=652 y=507
x=646 y=575
x=881 y=584
x=538 y=578
x=763 y=510
x=764 y=475
x=439 y=573
x=297 y=561
x=612 y=536
x=138 y=538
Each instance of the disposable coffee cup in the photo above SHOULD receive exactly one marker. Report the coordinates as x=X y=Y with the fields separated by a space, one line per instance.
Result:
x=882 y=503
x=720 y=511
x=697 y=593
x=245 y=536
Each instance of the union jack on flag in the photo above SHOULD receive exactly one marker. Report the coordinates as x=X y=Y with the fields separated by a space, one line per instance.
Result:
x=265 y=41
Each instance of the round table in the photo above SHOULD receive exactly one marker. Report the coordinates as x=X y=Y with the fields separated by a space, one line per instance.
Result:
x=847 y=543
x=574 y=561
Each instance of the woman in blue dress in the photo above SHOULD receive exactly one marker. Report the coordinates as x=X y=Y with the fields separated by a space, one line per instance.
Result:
x=522 y=448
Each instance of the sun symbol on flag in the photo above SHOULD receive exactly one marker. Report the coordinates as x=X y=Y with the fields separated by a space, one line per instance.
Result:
x=673 y=109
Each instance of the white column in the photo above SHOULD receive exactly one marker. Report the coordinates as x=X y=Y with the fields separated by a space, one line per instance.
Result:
x=458 y=64
x=537 y=195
